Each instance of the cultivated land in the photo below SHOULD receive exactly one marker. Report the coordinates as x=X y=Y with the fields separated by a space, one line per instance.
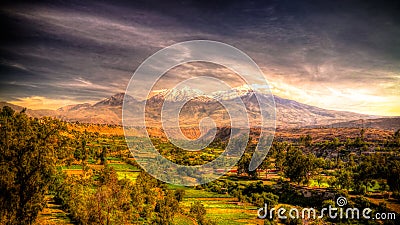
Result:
x=224 y=206
x=85 y=174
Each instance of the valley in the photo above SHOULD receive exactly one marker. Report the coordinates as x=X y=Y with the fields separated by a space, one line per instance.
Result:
x=94 y=160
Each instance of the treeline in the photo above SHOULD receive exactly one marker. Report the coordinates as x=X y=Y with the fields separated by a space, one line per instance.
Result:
x=101 y=198
x=349 y=167
x=284 y=195
x=31 y=153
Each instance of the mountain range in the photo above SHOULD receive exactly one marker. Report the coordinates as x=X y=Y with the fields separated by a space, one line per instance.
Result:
x=289 y=113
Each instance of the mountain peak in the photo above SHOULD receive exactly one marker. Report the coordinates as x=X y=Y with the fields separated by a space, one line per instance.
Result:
x=186 y=93
x=244 y=87
x=118 y=95
x=289 y=113
x=178 y=95
x=115 y=100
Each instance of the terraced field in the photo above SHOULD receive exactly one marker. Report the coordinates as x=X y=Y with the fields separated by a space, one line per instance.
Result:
x=221 y=208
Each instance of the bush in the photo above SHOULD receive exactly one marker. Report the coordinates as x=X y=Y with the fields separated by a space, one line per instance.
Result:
x=396 y=195
x=198 y=211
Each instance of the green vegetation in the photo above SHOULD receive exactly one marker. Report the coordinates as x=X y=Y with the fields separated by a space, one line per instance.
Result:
x=28 y=152
x=91 y=178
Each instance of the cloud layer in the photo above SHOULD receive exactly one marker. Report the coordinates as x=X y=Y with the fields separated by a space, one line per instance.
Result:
x=341 y=55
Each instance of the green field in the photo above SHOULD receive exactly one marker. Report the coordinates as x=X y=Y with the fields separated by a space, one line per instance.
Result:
x=221 y=208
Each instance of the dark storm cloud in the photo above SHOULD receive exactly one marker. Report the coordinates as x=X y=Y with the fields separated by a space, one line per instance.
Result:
x=79 y=47
x=89 y=49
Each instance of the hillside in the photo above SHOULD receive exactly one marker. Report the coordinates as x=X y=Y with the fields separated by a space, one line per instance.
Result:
x=391 y=123
x=289 y=113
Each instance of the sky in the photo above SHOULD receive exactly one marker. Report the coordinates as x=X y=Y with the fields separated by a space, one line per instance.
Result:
x=341 y=55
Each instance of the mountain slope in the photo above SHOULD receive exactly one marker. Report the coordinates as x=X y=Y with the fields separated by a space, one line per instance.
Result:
x=30 y=112
x=294 y=114
x=391 y=123
x=289 y=113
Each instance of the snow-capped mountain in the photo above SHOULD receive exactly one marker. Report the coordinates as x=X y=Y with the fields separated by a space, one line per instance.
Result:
x=289 y=113
x=115 y=100
x=186 y=93
x=179 y=95
x=234 y=92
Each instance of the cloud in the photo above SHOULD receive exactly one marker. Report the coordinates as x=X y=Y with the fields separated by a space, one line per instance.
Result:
x=330 y=55
x=40 y=102
x=357 y=100
x=89 y=27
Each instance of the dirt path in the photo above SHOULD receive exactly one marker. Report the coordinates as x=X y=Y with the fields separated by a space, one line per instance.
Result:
x=52 y=214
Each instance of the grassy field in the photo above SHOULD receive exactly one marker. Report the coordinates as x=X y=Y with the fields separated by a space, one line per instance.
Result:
x=181 y=219
x=221 y=208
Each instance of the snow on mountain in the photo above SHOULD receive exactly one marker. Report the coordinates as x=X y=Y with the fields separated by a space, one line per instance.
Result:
x=115 y=100
x=240 y=91
x=179 y=95
x=289 y=113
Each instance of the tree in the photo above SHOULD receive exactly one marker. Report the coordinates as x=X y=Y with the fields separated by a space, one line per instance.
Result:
x=395 y=140
x=105 y=200
x=166 y=208
x=27 y=164
x=103 y=156
x=111 y=203
x=243 y=166
x=266 y=165
x=84 y=152
x=179 y=194
x=299 y=167
x=144 y=196
x=259 y=199
x=312 y=163
x=345 y=179
x=278 y=151
x=306 y=140
x=293 y=165
x=362 y=133
x=393 y=179
x=198 y=211
x=78 y=155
